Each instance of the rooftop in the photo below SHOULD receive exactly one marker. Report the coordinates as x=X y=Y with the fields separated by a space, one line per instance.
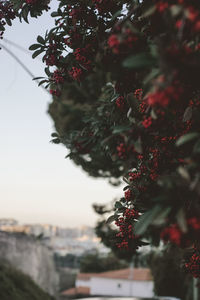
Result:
x=81 y=290
x=139 y=274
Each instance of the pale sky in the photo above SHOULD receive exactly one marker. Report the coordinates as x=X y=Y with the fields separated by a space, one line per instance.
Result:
x=37 y=183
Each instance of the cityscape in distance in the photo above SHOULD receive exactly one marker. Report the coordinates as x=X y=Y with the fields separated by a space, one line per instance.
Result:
x=61 y=240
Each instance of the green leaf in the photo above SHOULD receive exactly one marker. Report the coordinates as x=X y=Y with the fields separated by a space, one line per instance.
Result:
x=186 y=138
x=149 y=12
x=138 y=146
x=160 y=219
x=43 y=81
x=125 y=180
x=118 y=205
x=181 y=220
x=114 y=98
x=56 y=141
x=34 y=46
x=25 y=12
x=154 y=50
x=147 y=218
x=117 y=14
x=111 y=219
x=36 y=78
x=187 y=114
x=153 y=114
x=17 y=5
x=54 y=14
x=126 y=187
x=54 y=134
x=46 y=86
x=47 y=71
x=184 y=173
x=33 y=14
x=175 y=10
x=8 y=21
x=119 y=129
x=138 y=61
x=196 y=148
x=154 y=73
x=36 y=53
x=40 y=40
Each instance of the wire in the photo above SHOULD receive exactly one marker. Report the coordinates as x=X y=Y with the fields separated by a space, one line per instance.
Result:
x=18 y=46
x=22 y=65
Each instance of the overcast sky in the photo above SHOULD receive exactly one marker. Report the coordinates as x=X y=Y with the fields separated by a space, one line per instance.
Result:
x=37 y=183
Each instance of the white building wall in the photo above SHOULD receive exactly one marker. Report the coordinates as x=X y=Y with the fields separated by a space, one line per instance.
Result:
x=81 y=282
x=120 y=287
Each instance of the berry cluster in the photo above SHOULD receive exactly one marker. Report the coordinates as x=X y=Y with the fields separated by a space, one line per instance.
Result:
x=164 y=97
x=81 y=55
x=76 y=73
x=105 y=6
x=176 y=235
x=124 y=42
x=126 y=236
x=58 y=77
x=192 y=265
x=7 y=14
x=38 y=5
x=120 y=102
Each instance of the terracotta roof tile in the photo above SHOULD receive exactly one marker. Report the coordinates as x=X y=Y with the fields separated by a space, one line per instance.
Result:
x=85 y=276
x=80 y=290
x=140 y=274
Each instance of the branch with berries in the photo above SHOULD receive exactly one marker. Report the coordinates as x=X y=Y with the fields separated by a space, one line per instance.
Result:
x=126 y=103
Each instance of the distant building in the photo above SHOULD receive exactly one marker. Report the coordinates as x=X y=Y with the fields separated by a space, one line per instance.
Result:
x=63 y=241
x=8 y=222
x=126 y=282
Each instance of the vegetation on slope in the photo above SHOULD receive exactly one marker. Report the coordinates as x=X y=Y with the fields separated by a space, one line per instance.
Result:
x=18 y=286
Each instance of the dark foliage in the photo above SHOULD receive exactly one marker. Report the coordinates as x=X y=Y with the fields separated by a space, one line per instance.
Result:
x=18 y=286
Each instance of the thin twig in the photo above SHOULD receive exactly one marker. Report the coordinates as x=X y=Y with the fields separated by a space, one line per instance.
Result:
x=22 y=65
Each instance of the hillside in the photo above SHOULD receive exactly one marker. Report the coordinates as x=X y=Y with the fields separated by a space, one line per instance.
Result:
x=17 y=286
